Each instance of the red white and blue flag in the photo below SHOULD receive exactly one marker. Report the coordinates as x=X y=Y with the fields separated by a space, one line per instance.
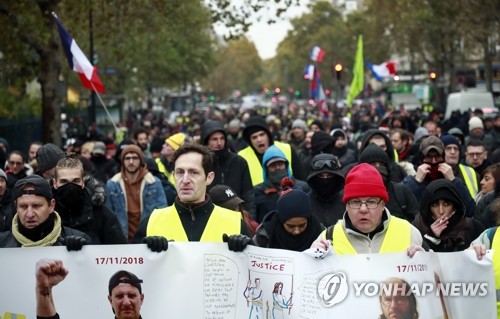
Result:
x=77 y=60
x=317 y=93
x=317 y=54
x=381 y=71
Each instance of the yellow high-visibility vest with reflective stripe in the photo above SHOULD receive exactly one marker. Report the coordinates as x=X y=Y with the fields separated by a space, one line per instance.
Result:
x=255 y=166
x=495 y=245
x=166 y=222
x=397 y=238
x=470 y=179
x=164 y=171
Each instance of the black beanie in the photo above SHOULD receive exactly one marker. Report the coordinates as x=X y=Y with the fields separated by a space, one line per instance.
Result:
x=156 y=144
x=254 y=124
x=47 y=156
x=320 y=141
x=293 y=203
x=373 y=153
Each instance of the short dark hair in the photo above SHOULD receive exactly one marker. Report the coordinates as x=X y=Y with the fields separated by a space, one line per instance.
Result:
x=140 y=130
x=405 y=136
x=192 y=147
x=475 y=142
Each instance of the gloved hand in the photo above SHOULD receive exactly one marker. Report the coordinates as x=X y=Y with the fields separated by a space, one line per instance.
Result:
x=156 y=243
x=74 y=243
x=237 y=242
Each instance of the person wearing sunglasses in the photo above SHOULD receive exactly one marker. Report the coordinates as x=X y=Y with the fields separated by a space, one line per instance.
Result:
x=326 y=182
x=367 y=226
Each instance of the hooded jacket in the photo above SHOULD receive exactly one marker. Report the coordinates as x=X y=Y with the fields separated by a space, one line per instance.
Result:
x=230 y=169
x=326 y=194
x=255 y=124
x=402 y=203
x=397 y=172
x=151 y=193
x=461 y=230
x=267 y=194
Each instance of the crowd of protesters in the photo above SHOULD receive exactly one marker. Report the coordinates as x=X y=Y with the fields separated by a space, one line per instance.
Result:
x=125 y=178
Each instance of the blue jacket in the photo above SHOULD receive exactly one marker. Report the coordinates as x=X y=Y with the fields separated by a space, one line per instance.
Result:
x=152 y=197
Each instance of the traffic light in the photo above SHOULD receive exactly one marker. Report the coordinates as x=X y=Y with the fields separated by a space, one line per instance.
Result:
x=433 y=76
x=338 y=71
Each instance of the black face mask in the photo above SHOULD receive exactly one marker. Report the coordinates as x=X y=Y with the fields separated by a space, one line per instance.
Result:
x=276 y=177
x=325 y=187
x=70 y=197
x=384 y=172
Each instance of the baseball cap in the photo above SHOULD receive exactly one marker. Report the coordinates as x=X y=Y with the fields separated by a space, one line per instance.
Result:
x=225 y=196
x=41 y=185
x=431 y=143
x=99 y=148
x=124 y=277
x=274 y=160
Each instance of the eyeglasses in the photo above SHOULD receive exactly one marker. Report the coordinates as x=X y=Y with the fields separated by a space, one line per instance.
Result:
x=330 y=163
x=371 y=203
x=475 y=154
x=399 y=300
x=131 y=158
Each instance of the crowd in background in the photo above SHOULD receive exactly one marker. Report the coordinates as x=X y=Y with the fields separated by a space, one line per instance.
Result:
x=410 y=150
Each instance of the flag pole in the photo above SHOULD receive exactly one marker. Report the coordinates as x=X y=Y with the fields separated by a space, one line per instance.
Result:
x=105 y=108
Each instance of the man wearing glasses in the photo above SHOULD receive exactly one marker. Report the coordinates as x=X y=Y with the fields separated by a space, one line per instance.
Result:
x=397 y=300
x=476 y=156
x=367 y=226
x=134 y=192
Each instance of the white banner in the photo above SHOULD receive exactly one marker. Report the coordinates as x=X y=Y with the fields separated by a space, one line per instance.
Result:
x=206 y=280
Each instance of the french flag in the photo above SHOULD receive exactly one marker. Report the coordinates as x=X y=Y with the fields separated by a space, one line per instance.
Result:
x=317 y=93
x=77 y=60
x=309 y=72
x=381 y=71
x=317 y=54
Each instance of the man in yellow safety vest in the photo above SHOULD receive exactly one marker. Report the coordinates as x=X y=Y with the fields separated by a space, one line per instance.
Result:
x=193 y=216
x=367 y=226
x=259 y=139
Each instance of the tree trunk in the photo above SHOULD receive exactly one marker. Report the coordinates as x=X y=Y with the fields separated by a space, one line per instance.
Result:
x=50 y=68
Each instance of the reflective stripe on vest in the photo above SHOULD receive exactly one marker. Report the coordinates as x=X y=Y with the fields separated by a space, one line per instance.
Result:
x=470 y=179
x=255 y=166
x=166 y=222
x=495 y=245
x=397 y=238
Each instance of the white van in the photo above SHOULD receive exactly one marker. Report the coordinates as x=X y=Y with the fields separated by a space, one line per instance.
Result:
x=465 y=101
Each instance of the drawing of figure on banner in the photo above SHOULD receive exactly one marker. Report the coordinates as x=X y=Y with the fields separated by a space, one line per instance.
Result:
x=253 y=294
x=280 y=301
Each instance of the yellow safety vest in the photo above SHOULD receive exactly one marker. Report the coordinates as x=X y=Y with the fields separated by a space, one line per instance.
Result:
x=470 y=179
x=164 y=171
x=495 y=245
x=167 y=223
x=397 y=238
x=255 y=166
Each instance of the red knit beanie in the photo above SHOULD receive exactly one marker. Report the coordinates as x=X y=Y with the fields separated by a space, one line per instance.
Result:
x=364 y=180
